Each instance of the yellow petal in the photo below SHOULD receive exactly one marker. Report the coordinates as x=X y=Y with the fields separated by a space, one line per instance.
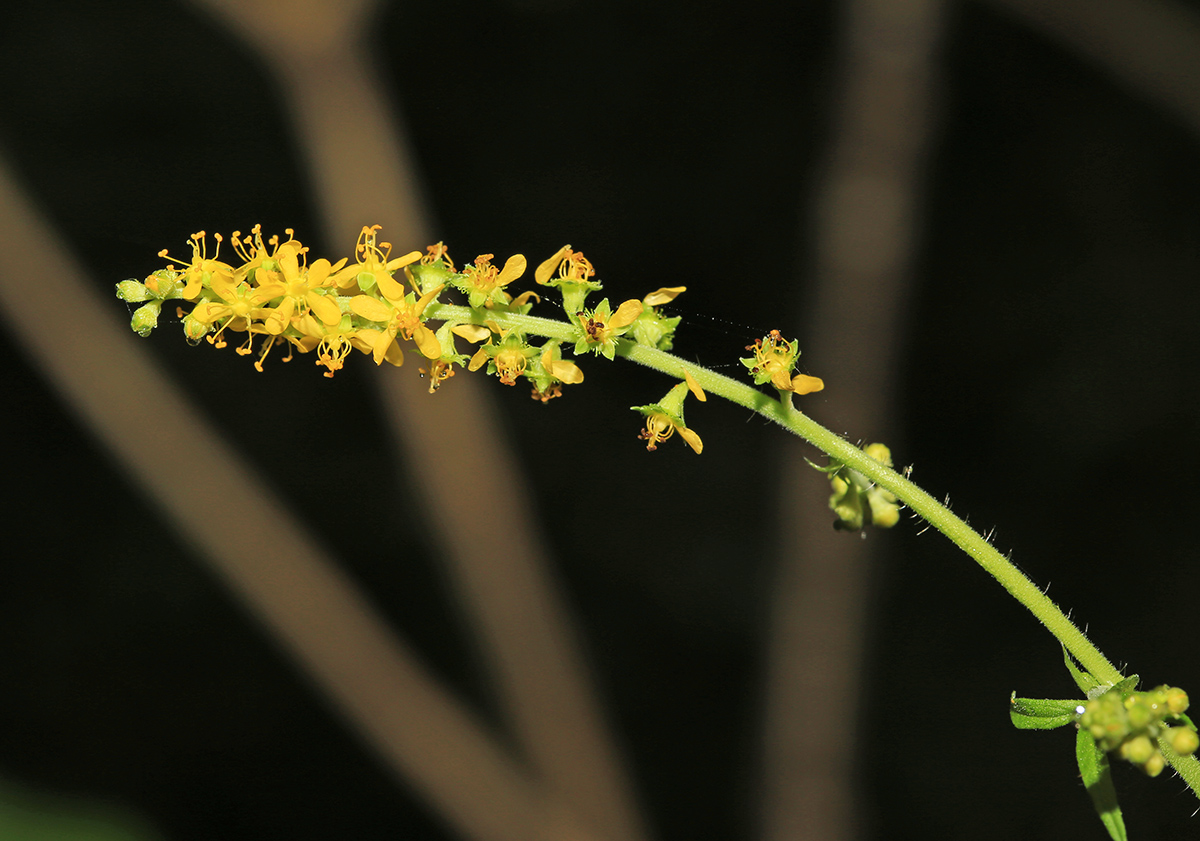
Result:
x=382 y=344
x=427 y=297
x=224 y=285
x=277 y=320
x=478 y=360
x=694 y=387
x=427 y=343
x=804 y=384
x=309 y=326
x=209 y=311
x=514 y=267
x=561 y=369
x=365 y=339
x=525 y=297
x=626 y=314
x=325 y=308
x=410 y=257
x=566 y=371
x=546 y=269
x=693 y=440
x=662 y=296
x=288 y=264
x=395 y=354
x=266 y=292
x=781 y=380
x=304 y=343
x=344 y=276
x=370 y=308
x=471 y=332
x=389 y=287
x=318 y=273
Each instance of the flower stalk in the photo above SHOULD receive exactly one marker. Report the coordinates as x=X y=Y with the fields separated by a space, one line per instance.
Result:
x=277 y=296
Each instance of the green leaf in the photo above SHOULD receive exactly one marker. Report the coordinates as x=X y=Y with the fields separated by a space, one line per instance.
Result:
x=1083 y=680
x=1093 y=766
x=1042 y=713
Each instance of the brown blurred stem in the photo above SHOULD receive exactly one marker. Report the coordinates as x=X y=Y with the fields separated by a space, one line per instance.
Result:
x=1151 y=47
x=266 y=556
x=865 y=230
x=364 y=174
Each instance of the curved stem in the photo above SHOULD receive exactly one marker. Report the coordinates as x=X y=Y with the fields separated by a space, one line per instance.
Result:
x=924 y=505
x=833 y=445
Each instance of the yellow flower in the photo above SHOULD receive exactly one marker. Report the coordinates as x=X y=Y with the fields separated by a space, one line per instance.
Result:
x=573 y=279
x=665 y=418
x=402 y=316
x=572 y=267
x=601 y=327
x=374 y=268
x=437 y=252
x=507 y=359
x=202 y=268
x=299 y=286
x=240 y=305
x=254 y=252
x=332 y=343
x=483 y=283
x=773 y=361
x=549 y=372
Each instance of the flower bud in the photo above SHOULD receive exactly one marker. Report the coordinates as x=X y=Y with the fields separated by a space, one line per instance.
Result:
x=1183 y=740
x=1177 y=700
x=132 y=291
x=1138 y=750
x=145 y=318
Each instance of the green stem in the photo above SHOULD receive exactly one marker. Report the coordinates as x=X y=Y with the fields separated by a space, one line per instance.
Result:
x=938 y=515
x=836 y=447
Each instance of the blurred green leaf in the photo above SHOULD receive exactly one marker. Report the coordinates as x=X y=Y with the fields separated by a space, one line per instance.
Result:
x=31 y=816
x=1093 y=766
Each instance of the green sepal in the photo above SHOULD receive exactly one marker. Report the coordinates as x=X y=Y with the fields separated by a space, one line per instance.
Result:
x=1127 y=685
x=1043 y=713
x=833 y=467
x=1091 y=686
x=366 y=281
x=1084 y=680
x=432 y=275
x=1097 y=778
x=846 y=503
x=654 y=329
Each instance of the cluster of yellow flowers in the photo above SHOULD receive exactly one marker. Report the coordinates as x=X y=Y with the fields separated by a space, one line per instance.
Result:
x=274 y=295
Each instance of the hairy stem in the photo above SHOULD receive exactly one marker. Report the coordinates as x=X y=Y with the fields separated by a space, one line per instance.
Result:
x=833 y=445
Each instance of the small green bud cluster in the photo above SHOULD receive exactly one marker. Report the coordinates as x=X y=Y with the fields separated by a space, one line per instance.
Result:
x=854 y=494
x=1132 y=725
x=162 y=285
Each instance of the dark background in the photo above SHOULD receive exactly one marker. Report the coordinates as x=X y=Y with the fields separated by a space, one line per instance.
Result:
x=1049 y=384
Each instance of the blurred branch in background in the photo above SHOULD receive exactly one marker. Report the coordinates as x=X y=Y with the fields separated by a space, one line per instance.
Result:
x=1150 y=46
x=267 y=557
x=364 y=174
x=866 y=230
